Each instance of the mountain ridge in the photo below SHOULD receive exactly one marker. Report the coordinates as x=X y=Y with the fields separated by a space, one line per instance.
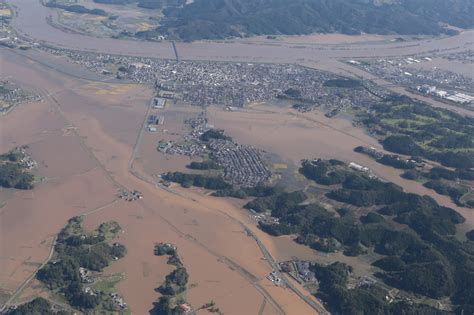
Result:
x=220 y=19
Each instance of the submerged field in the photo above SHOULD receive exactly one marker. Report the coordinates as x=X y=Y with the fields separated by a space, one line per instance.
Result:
x=98 y=165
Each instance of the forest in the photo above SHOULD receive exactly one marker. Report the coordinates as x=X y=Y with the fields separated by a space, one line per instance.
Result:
x=216 y=19
x=423 y=257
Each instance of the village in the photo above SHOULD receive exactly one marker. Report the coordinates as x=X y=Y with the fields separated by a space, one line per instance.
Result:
x=20 y=156
x=12 y=94
x=91 y=278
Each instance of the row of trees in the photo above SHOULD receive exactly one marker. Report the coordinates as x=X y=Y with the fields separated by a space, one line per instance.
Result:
x=175 y=283
x=197 y=180
x=76 y=8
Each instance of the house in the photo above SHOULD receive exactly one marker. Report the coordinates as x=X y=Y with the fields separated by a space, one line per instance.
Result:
x=185 y=308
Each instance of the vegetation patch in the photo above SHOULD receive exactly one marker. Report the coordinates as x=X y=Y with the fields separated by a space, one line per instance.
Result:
x=38 y=306
x=412 y=128
x=14 y=170
x=344 y=83
x=214 y=134
x=422 y=258
x=75 y=270
x=75 y=8
x=205 y=165
x=453 y=183
x=172 y=301
x=197 y=180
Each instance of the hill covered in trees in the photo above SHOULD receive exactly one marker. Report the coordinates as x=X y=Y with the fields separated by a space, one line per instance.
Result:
x=217 y=19
x=412 y=233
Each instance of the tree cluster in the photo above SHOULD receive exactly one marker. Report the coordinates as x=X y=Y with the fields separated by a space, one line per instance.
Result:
x=214 y=134
x=75 y=249
x=13 y=175
x=197 y=180
x=76 y=8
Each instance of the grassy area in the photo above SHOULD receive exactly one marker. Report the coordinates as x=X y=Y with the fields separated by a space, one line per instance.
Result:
x=107 y=284
x=408 y=127
x=110 y=230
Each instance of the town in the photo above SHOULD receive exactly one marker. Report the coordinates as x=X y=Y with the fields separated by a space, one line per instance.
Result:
x=203 y=83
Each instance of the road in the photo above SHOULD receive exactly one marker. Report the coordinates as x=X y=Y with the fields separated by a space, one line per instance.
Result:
x=268 y=257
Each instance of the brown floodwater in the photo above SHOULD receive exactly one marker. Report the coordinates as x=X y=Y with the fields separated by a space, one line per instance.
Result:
x=99 y=122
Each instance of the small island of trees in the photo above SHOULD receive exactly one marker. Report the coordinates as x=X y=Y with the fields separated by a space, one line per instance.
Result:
x=76 y=250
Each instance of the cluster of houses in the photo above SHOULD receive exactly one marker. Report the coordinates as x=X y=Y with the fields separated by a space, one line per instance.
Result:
x=130 y=196
x=85 y=275
x=433 y=81
x=118 y=300
x=299 y=270
x=274 y=278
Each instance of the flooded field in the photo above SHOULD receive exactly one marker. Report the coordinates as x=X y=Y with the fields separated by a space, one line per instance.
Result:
x=128 y=18
x=101 y=122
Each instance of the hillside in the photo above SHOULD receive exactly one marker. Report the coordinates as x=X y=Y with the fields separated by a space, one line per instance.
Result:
x=217 y=19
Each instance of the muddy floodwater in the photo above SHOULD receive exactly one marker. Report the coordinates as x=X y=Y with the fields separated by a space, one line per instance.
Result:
x=83 y=134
